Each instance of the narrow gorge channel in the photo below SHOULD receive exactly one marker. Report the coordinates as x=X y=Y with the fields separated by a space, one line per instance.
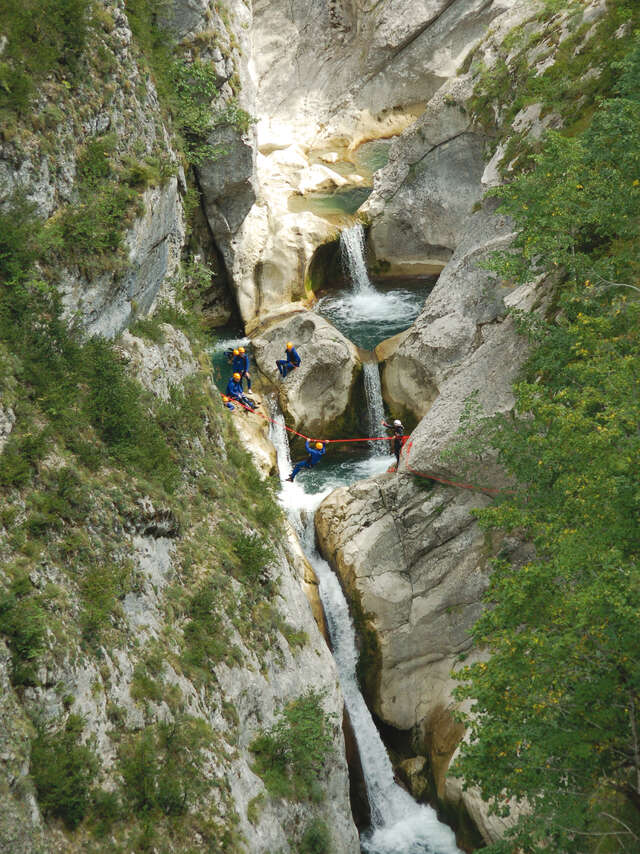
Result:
x=399 y=825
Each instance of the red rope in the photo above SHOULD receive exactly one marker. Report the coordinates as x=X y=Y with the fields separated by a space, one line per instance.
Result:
x=473 y=487
x=295 y=432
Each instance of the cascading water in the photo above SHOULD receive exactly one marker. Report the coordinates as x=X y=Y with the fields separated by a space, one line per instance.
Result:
x=399 y=824
x=352 y=252
x=363 y=313
x=375 y=405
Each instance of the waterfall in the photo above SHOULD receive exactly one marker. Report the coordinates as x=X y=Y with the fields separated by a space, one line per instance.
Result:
x=352 y=252
x=375 y=406
x=399 y=824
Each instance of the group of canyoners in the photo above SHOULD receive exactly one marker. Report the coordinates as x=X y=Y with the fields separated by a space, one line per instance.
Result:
x=238 y=358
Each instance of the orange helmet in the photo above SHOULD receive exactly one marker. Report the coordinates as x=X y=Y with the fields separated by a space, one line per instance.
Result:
x=240 y=349
x=236 y=352
x=319 y=445
x=289 y=345
x=225 y=398
x=236 y=376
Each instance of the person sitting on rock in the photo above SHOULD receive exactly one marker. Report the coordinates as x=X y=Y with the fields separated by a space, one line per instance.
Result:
x=236 y=392
x=292 y=361
x=241 y=365
x=316 y=450
x=398 y=436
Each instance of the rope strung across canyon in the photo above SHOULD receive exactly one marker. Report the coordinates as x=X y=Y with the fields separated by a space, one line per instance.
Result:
x=488 y=490
x=309 y=438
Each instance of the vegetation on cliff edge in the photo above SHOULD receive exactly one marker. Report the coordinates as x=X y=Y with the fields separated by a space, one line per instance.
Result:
x=555 y=709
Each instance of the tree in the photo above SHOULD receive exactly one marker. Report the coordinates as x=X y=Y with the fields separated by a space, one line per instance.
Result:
x=556 y=707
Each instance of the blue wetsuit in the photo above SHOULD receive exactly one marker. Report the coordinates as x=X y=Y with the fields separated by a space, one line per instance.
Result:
x=292 y=361
x=241 y=366
x=314 y=457
x=235 y=390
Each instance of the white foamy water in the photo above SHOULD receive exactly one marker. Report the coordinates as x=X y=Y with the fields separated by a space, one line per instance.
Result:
x=375 y=407
x=399 y=824
x=363 y=313
x=352 y=253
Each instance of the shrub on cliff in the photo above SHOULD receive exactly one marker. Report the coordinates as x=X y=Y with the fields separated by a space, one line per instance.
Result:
x=555 y=709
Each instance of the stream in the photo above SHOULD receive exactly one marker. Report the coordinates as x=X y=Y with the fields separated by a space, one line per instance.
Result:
x=399 y=825
x=367 y=315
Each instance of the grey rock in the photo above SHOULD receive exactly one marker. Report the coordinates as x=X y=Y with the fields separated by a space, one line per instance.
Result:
x=227 y=182
x=317 y=396
x=106 y=305
x=7 y=420
x=425 y=218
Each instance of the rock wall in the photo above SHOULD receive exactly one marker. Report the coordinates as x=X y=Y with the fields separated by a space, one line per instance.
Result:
x=242 y=694
x=323 y=80
x=115 y=98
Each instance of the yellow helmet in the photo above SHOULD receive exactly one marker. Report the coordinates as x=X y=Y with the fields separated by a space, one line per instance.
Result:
x=236 y=376
x=240 y=349
x=236 y=352
x=319 y=445
x=225 y=398
x=289 y=345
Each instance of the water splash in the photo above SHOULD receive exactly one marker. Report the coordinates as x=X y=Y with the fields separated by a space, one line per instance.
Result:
x=353 y=263
x=399 y=824
x=363 y=313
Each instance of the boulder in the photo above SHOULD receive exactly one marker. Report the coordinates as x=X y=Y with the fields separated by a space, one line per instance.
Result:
x=465 y=298
x=414 y=560
x=424 y=220
x=318 y=397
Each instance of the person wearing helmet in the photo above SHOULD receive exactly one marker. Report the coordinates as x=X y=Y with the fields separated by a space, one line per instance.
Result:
x=235 y=391
x=292 y=360
x=227 y=402
x=398 y=436
x=316 y=450
x=241 y=365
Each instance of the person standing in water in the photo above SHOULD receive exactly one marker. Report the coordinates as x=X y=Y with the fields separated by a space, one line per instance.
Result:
x=398 y=436
x=292 y=360
x=316 y=451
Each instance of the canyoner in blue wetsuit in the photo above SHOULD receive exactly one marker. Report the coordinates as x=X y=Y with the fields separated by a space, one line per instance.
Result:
x=236 y=392
x=292 y=361
x=240 y=365
x=316 y=451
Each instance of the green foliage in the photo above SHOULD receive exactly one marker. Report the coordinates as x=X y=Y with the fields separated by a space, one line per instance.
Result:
x=555 y=707
x=188 y=89
x=161 y=766
x=103 y=584
x=585 y=69
x=205 y=637
x=254 y=555
x=22 y=623
x=316 y=838
x=43 y=36
x=291 y=755
x=63 y=769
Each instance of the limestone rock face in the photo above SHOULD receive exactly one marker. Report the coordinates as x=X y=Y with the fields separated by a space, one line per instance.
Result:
x=108 y=304
x=7 y=420
x=159 y=366
x=415 y=560
x=20 y=821
x=103 y=303
x=465 y=299
x=318 y=397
